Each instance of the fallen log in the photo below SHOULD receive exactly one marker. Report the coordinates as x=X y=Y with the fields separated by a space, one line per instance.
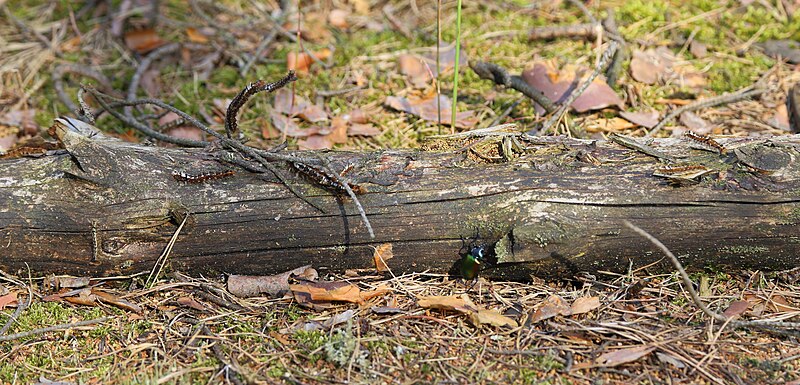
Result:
x=544 y=206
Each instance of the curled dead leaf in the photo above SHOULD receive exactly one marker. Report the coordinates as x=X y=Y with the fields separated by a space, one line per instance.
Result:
x=382 y=254
x=584 y=305
x=334 y=292
x=450 y=302
x=491 y=317
x=426 y=108
x=556 y=84
x=244 y=286
x=551 y=307
x=143 y=41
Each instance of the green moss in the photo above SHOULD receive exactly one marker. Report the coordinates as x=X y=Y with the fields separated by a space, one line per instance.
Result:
x=732 y=75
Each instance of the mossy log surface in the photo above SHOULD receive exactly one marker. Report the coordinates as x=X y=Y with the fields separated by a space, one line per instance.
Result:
x=105 y=207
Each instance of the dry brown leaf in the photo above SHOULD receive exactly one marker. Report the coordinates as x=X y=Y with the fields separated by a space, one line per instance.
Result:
x=195 y=36
x=551 y=307
x=425 y=108
x=338 y=18
x=491 y=317
x=8 y=299
x=287 y=125
x=417 y=70
x=143 y=41
x=313 y=113
x=382 y=254
x=450 y=302
x=781 y=117
x=779 y=303
x=358 y=129
x=698 y=49
x=647 y=119
x=661 y=65
x=357 y=116
x=245 y=286
x=776 y=303
x=736 y=308
x=650 y=66
x=608 y=125
x=421 y=69
x=695 y=123
x=114 y=300
x=557 y=83
x=302 y=62
x=23 y=119
x=191 y=303
x=287 y=102
x=584 y=305
x=7 y=142
x=315 y=142
x=338 y=130
x=85 y=297
x=336 y=292
x=622 y=356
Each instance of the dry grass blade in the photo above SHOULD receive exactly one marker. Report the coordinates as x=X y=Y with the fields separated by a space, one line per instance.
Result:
x=162 y=259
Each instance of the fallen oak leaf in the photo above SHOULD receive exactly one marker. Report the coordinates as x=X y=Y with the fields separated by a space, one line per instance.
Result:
x=8 y=299
x=736 y=308
x=491 y=317
x=623 y=356
x=584 y=305
x=557 y=84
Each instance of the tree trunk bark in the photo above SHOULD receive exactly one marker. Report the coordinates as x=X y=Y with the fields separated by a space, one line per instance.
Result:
x=555 y=208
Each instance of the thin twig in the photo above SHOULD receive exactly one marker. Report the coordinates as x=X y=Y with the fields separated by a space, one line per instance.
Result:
x=261 y=156
x=132 y=122
x=53 y=328
x=500 y=76
x=266 y=41
x=58 y=73
x=565 y=105
x=586 y=12
x=705 y=103
x=774 y=326
x=614 y=69
x=144 y=65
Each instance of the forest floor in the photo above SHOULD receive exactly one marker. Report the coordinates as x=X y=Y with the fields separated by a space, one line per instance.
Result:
x=367 y=71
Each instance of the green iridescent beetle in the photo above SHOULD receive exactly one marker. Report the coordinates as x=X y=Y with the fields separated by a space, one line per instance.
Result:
x=472 y=262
